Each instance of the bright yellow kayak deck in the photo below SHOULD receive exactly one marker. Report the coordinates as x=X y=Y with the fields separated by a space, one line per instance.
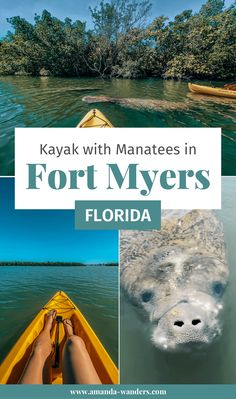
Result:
x=95 y=118
x=212 y=91
x=13 y=365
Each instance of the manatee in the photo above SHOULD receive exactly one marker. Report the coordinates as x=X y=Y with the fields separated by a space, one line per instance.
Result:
x=137 y=103
x=178 y=276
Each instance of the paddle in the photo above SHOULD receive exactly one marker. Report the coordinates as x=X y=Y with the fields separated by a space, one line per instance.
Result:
x=57 y=345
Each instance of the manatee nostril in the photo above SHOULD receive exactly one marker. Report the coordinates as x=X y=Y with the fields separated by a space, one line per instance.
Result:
x=178 y=323
x=195 y=322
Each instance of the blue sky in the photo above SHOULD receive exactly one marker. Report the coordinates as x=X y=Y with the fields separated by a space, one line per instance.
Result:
x=79 y=9
x=49 y=235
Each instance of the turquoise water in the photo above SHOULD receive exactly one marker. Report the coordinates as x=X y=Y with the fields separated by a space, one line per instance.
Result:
x=25 y=290
x=142 y=363
x=57 y=102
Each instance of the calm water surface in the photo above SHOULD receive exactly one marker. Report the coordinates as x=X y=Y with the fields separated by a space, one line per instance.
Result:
x=24 y=291
x=142 y=363
x=57 y=102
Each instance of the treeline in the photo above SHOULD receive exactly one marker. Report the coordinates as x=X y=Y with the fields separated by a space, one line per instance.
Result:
x=122 y=44
x=23 y=263
x=26 y=263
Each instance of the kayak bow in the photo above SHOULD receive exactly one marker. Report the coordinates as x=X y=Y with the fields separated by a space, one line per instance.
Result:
x=13 y=365
x=95 y=118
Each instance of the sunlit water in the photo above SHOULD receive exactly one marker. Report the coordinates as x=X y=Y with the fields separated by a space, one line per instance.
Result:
x=142 y=363
x=57 y=102
x=25 y=290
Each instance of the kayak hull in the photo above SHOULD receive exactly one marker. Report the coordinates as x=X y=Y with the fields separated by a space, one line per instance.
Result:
x=211 y=91
x=95 y=118
x=13 y=365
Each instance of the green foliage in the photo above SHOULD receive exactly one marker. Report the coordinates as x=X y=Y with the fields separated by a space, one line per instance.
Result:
x=202 y=45
x=212 y=8
x=118 y=17
x=50 y=45
x=121 y=44
x=115 y=37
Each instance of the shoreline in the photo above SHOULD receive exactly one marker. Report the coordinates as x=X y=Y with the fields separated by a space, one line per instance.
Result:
x=50 y=264
x=107 y=78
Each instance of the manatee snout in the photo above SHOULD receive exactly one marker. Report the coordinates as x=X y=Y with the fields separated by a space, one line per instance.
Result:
x=188 y=326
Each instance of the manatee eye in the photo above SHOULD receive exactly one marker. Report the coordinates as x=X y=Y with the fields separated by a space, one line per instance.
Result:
x=218 y=288
x=146 y=296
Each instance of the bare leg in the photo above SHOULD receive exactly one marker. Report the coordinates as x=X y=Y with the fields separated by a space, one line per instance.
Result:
x=77 y=367
x=33 y=372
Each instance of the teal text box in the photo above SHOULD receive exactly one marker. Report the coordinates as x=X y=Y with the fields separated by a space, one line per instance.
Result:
x=118 y=391
x=117 y=215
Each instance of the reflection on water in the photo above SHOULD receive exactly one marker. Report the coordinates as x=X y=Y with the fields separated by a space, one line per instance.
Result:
x=142 y=363
x=25 y=290
x=57 y=102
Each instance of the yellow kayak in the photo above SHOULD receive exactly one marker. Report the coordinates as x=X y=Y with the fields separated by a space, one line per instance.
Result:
x=13 y=365
x=212 y=91
x=94 y=118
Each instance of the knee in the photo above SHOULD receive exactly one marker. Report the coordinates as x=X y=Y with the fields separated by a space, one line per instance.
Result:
x=75 y=342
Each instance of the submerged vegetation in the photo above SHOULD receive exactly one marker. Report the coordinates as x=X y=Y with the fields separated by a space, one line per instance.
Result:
x=122 y=43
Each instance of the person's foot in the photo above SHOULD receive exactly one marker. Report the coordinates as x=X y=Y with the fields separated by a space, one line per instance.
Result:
x=49 y=318
x=42 y=345
x=69 y=330
x=71 y=326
